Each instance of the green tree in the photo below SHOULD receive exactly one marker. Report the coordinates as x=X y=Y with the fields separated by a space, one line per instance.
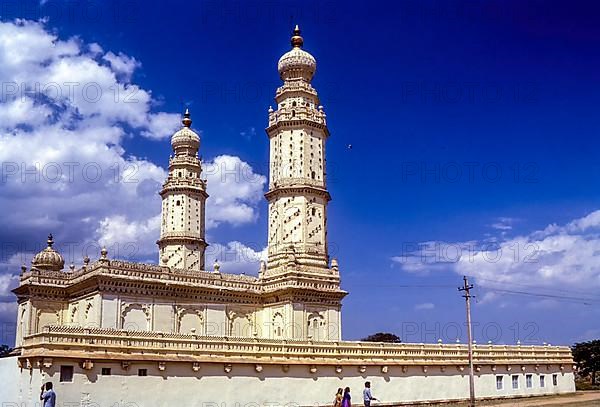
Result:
x=4 y=350
x=587 y=357
x=382 y=337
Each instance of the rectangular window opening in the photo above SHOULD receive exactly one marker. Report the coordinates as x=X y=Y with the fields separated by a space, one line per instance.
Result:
x=142 y=372
x=66 y=374
x=499 y=383
x=529 y=381
x=515 y=382
x=106 y=371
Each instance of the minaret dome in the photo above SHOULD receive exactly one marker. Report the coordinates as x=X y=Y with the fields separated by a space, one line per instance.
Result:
x=185 y=137
x=297 y=63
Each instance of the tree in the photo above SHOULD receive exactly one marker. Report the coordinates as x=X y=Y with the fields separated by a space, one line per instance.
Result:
x=587 y=357
x=382 y=337
x=4 y=350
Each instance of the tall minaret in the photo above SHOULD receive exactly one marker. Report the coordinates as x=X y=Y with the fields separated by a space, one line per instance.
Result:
x=183 y=195
x=297 y=193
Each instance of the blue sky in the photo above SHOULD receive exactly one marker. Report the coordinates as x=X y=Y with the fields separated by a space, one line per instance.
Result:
x=473 y=128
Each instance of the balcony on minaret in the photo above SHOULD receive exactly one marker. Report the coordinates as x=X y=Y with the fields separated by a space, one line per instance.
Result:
x=298 y=113
x=295 y=87
x=296 y=181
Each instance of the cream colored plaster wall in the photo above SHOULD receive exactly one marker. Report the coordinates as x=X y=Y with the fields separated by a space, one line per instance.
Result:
x=178 y=384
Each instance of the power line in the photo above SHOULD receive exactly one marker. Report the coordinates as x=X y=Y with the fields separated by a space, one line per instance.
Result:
x=586 y=301
x=538 y=287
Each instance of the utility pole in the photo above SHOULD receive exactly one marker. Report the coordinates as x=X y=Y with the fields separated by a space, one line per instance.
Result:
x=466 y=288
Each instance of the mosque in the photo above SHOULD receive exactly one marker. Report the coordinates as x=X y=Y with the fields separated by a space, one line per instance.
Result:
x=116 y=332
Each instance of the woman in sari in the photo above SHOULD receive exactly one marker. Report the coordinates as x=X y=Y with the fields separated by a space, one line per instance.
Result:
x=337 y=402
x=346 y=400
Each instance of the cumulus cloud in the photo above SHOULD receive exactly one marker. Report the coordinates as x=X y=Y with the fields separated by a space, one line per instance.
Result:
x=235 y=190
x=65 y=110
x=235 y=257
x=69 y=78
x=559 y=257
x=122 y=64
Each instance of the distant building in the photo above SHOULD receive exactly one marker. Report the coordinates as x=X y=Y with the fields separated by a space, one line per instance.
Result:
x=158 y=335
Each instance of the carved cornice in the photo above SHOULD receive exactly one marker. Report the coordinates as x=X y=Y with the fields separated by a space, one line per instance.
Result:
x=295 y=123
x=150 y=280
x=107 y=344
x=288 y=190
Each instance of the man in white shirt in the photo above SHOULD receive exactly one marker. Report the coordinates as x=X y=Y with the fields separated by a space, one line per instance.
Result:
x=48 y=396
x=367 y=397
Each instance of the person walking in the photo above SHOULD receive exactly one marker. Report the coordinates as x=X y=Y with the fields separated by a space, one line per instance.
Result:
x=337 y=402
x=367 y=397
x=48 y=396
x=346 y=399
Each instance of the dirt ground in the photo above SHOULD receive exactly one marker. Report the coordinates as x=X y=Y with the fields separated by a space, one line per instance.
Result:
x=579 y=399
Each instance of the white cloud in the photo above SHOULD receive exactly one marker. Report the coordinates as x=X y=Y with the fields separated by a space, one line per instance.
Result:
x=503 y=223
x=558 y=258
x=64 y=167
x=136 y=237
x=67 y=77
x=235 y=257
x=424 y=306
x=425 y=257
x=95 y=48
x=234 y=189
x=249 y=133
x=122 y=64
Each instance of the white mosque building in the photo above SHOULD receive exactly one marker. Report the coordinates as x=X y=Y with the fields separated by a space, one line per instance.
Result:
x=117 y=332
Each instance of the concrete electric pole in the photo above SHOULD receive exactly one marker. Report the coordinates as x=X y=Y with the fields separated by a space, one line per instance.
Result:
x=466 y=288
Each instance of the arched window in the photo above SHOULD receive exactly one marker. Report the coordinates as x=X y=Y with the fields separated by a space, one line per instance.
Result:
x=293 y=113
x=313 y=175
x=178 y=203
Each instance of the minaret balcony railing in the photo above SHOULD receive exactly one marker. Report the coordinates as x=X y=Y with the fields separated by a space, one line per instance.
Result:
x=298 y=113
x=189 y=182
x=296 y=86
x=296 y=181
x=183 y=160
x=181 y=235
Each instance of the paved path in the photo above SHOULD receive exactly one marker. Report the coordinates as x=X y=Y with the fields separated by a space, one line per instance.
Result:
x=580 y=399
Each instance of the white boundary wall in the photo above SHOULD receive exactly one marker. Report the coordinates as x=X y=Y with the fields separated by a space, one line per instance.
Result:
x=211 y=386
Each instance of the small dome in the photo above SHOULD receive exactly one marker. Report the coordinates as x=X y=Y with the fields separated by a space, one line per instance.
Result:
x=297 y=63
x=48 y=259
x=186 y=137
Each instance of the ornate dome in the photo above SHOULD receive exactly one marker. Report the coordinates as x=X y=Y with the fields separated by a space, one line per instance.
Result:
x=186 y=137
x=48 y=259
x=297 y=63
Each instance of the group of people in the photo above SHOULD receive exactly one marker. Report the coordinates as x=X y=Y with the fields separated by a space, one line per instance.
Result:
x=343 y=398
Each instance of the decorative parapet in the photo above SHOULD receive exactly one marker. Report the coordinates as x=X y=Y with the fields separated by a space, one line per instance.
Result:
x=296 y=181
x=295 y=86
x=151 y=272
x=297 y=113
x=65 y=342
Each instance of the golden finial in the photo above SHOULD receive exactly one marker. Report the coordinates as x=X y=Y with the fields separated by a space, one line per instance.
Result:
x=50 y=240
x=187 y=121
x=297 y=40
